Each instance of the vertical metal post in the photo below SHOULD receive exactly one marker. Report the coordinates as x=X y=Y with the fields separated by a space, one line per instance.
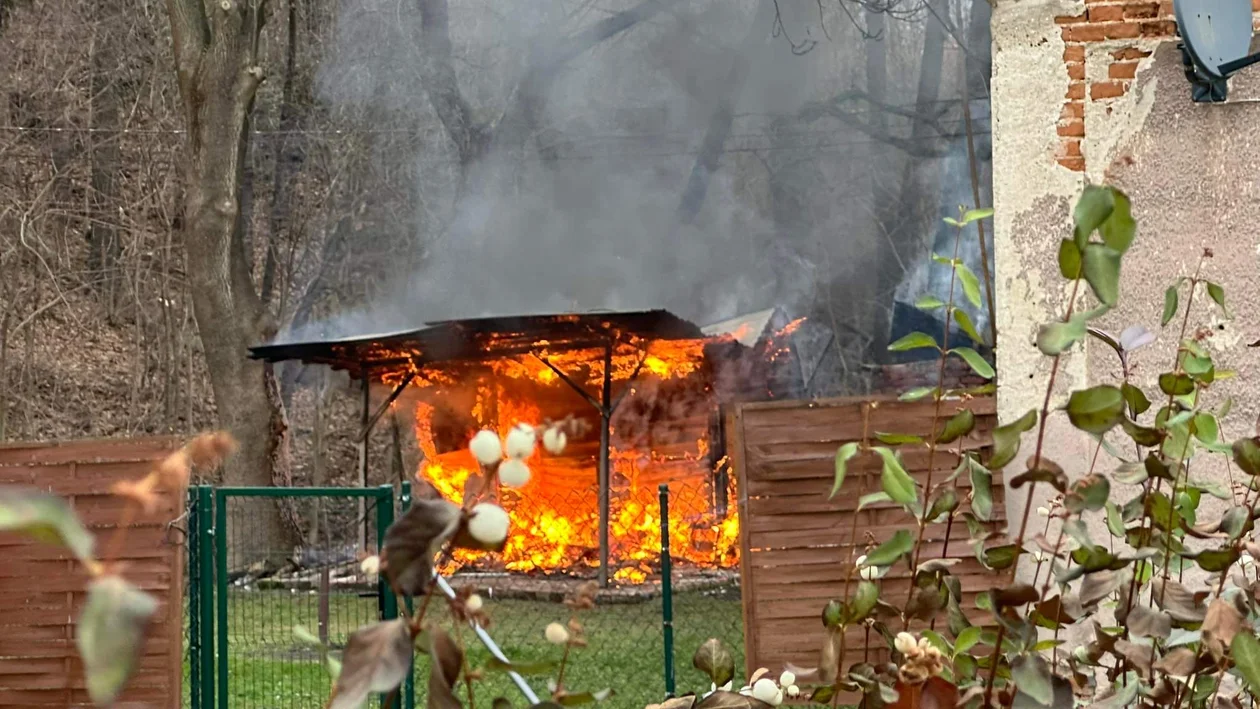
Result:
x=221 y=595
x=194 y=610
x=667 y=595
x=205 y=593
x=364 y=418
x=605 y=431
x=387 y=604
x=409 y=684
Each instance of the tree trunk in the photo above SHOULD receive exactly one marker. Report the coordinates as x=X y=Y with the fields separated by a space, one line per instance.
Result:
x=215 y=47
x=104 y=248
x=915 y=202
x=289 y=156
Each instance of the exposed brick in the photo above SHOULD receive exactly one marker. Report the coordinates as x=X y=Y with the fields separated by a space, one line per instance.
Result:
x=1105 y=13
x=1076 y=90
x=1076 y=71
x=1070 y=148
x=1130 y=53
x=1141 y=10
x=1121 y=30
x=1074 y=53
x=1072 y=129
x=1107 y=89
x=1122 y=70
x=1255 y=5
x=1158 y=28
x=1069 y=19
x=1072 y=110
x=1085 y=33
x=1166 y=8
x=1076 y=164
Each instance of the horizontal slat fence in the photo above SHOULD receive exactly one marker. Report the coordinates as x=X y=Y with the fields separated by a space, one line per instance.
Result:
x=42 y=588
x=797 y=544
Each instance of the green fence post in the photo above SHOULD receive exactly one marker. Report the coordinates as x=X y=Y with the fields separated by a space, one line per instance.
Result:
x=385 y=518
x=220 y=586
x=409 y=684
x=205 y=592
x=194 y=612
x=667 y=595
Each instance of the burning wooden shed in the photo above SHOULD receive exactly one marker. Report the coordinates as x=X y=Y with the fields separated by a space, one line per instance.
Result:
x=652 y=385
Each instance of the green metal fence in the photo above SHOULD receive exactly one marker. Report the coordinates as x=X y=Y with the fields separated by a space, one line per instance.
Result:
x=245 y=597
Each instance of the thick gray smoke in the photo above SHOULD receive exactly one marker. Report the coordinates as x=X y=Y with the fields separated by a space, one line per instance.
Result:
x=595 y=226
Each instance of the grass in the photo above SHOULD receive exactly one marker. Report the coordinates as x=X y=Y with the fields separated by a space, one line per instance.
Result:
x=269 y=669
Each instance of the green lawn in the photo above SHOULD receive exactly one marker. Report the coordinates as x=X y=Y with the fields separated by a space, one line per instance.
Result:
x=269 y=669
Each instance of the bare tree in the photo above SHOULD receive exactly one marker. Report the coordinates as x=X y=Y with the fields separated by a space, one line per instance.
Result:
x=216 y=60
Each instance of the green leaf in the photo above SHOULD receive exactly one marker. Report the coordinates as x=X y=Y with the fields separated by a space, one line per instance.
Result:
x=1217 y=294
x=1056 y=337
x=1175 y=384
x=981 y=490
x=972 y=215
x=1141 y=435
x=1236 y=522
x=1213 y=560
x=1092 y=209
x=110 y=635
x=1001 y=557
x=843 y=456
x=1097 y=409
x=1006 y=439
x=964 y=321
x=977 y=363
x=45 y=517
x=1115 y=524
x=713 y=659
x=1245 y=652
x=889 y=552
x=1119 y=228
x=863 y=602
x=967 y=639
x=1102 y=272
x=1135 y=398
x=1247 y=455
x=929 y=303
x=895 y=480
x=913 y=341
x=897 y=439
x=1206 y=428
x=1032 y=675
x=970 y=284
x=1069 y=259
x=917 y=393
x=958 y=425
x=873 y=498
x=332 y=664
x=1088 y=493
x=946 y=501
x=1170 y=304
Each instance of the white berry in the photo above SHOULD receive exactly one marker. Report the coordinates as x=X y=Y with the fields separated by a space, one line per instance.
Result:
x=488 y=524
x=486 y=447
x=554 y=440
x=765 y=690
x=787 y=679
x=371 y=565
x=557 y=634
x=513 y=472
x=474 y=603
x=520 y=441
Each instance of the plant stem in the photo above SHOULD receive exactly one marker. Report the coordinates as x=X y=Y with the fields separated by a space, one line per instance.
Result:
x=936 y=418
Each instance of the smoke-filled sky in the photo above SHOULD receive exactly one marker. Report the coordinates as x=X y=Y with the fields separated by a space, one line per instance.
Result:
x=597 y=228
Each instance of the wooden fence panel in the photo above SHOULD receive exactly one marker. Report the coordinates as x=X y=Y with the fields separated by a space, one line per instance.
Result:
x=797 y=544
x=42 y=588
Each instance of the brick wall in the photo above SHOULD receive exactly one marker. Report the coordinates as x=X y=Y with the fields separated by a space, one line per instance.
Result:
x=1125 y=31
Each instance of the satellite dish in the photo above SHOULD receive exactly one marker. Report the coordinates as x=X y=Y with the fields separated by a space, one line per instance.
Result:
x=1216 y=39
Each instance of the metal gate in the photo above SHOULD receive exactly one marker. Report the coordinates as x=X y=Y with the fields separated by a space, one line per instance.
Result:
x=245 y=598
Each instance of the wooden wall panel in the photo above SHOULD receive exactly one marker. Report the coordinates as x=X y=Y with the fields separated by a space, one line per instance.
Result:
x=42 y=588
x=796 y=544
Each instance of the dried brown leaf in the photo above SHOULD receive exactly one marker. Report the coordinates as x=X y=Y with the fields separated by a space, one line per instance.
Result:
x=1220 y=624
x=1179 y=662
x=1146 y=622
x=415 y=539
x=447 y=659
x=376 y=659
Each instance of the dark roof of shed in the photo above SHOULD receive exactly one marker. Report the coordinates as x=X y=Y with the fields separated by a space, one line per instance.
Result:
x=479 y=339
